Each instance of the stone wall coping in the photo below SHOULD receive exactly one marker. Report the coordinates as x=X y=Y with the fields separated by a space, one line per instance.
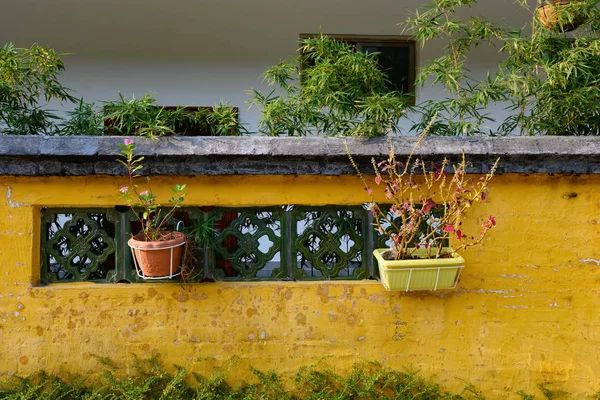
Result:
x=260 y=155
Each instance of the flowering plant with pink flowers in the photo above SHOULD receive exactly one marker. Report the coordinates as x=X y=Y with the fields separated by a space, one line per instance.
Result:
x=152 y=217
x=427 y=205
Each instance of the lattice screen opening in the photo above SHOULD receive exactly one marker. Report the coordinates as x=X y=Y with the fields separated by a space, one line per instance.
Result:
x=78 y=246
x=329 y=242
x=248 y=244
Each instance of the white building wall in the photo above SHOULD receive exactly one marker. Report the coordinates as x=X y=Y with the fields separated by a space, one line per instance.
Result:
x=198 y=52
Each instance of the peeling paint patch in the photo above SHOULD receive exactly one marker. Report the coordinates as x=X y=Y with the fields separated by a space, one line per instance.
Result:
x=301 y=319
x=323 y=293
x=378 y=299
x=590 y=261
x=514 y=276
x=137 y=299
x=181 y=297
x=11 y=203
x=11 y=233
x=516 y=307
x=251 y=311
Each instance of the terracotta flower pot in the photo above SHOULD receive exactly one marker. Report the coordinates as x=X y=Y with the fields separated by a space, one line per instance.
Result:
x=548 y=16
x=160 y=258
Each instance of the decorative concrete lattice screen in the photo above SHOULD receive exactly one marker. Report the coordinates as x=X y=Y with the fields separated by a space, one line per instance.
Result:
x=278 y=243
x=273 y=243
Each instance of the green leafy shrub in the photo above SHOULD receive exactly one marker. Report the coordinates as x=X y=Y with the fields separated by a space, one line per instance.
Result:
x=143 y=117
x=330 y=89
x=138 y=116
x=549 y=83
x=553 y=81
x=27 y=76
x=84 y=120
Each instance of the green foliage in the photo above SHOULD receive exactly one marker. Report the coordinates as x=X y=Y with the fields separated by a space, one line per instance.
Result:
x=151 y=381
x=223 y=120
x=143 y=117
x=551 y=394
x=199 y=234
x=463 y=111
x=83 y=120
x=524 y=395
x=369 y=380
x=139 y=116
x=330 y=89
x=551 y=83
x=547 y=392
x=28 y=76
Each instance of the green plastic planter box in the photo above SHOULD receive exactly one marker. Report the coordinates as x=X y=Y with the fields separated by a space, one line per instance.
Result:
x=419 y=273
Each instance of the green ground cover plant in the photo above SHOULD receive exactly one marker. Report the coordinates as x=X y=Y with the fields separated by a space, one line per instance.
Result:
x=150 y=380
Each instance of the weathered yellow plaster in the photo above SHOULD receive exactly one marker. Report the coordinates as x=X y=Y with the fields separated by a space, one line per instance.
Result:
x=525 y=311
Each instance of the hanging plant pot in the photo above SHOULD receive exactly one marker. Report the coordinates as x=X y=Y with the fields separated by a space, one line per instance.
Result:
x=549 y=16
x=158 y=259
x=420 y=273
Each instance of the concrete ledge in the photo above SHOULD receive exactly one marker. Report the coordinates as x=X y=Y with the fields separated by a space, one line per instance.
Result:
x=257 y=155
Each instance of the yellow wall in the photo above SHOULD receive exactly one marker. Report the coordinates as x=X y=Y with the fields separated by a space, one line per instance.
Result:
x=526 y=311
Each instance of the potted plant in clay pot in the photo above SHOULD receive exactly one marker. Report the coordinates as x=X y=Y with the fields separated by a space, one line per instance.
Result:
x=427 y=206
x=561 y=15
x=157 y=250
